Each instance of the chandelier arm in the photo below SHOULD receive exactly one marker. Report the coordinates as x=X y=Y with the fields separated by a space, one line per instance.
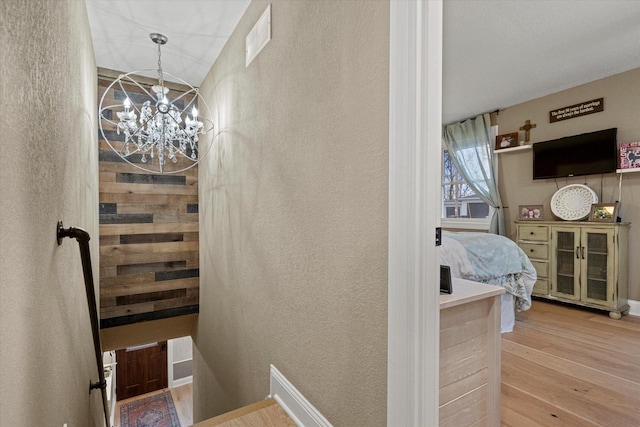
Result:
x=189 y=104
x=109 y=121
x=126 y=94
x=109 y=142
x=137 y=133
x=194 y=91
x=102 y=116
x=172 y=118
x=137 y=84
x=125 y=143
x=110 y=107
x=205 y=120
x=141 y=127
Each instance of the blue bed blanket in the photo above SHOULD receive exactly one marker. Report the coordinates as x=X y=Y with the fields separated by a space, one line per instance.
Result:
x=492 y=259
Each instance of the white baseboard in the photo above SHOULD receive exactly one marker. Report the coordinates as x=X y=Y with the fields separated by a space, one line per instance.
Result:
x=635 y=307
x=303 y=413
x=182 y=381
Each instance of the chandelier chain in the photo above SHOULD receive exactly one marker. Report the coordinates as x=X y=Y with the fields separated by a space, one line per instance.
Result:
x=160 y=77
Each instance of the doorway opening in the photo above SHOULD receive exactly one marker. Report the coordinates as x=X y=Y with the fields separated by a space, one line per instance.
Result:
x=153 y=379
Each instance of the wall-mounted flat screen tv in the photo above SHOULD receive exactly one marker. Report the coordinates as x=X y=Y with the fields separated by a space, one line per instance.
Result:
x=584 y=154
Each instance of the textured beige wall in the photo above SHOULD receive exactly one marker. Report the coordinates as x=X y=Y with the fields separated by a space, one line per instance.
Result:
x=293 y=214
x=621 y=95
x=48 y=171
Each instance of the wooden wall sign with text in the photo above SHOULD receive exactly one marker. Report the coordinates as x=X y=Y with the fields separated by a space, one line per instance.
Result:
x=576 y=110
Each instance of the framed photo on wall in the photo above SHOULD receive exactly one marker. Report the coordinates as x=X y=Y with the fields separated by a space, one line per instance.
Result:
x=604 y=212
x=630 y=155
x=530 y=212
x=507 y=140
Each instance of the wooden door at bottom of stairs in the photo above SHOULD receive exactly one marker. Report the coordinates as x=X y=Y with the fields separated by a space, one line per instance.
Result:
x=141 y=369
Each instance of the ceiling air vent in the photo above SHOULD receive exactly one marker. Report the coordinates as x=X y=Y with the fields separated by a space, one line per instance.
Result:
x=259 y=36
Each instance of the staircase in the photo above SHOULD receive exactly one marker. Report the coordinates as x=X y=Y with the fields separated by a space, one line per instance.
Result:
x=266 y=413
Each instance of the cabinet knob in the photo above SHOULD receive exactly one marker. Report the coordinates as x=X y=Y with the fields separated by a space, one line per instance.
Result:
x=531 y=233
x=530 y=250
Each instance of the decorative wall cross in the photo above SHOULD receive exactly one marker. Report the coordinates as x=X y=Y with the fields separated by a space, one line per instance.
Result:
x=526 y=128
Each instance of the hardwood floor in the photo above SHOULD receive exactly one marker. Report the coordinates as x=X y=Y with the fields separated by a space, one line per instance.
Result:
x=182 y=399
x=265 y=413
x=563 y=366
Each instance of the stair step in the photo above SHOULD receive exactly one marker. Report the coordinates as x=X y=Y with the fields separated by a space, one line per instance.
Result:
x=265 y=413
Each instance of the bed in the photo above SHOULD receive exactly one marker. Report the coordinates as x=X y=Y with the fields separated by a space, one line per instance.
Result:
x=494 y=260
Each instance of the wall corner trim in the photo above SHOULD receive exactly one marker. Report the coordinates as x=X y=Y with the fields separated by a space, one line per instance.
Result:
x=301 y=411
x=415 y=127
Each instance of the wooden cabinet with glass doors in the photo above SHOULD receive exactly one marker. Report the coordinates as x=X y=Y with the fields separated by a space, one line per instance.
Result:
x=587 y=262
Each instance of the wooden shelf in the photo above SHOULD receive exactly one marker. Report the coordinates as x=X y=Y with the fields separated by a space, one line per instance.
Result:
x=512 y=149
x=620 y=170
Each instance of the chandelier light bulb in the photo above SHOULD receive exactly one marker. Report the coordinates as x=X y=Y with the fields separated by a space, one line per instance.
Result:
x=127 y=104
x=194 y=113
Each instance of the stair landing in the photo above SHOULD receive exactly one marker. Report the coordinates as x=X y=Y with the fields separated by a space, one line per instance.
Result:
x=266 y=413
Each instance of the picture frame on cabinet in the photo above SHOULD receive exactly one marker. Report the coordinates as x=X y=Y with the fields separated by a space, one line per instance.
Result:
x=604 y=212
x=530 y=212
x=507 y=140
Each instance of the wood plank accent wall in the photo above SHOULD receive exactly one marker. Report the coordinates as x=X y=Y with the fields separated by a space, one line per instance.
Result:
x=148 y=235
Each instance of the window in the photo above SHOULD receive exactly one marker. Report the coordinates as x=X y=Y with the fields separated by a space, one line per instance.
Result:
x=461 y=207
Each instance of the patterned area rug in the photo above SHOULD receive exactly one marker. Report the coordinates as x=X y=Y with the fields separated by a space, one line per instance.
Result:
x=154 y=411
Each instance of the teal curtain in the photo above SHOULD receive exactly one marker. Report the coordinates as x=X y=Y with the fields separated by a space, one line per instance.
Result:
x=470 y=145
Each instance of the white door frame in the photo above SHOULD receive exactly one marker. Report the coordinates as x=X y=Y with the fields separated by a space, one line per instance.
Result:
x=415 y=121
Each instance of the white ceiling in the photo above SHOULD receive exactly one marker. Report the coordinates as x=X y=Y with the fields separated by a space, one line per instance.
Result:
x=497 y=53
x=197 y=32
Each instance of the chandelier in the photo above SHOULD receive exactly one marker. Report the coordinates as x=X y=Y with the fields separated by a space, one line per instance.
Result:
x=155 y=130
